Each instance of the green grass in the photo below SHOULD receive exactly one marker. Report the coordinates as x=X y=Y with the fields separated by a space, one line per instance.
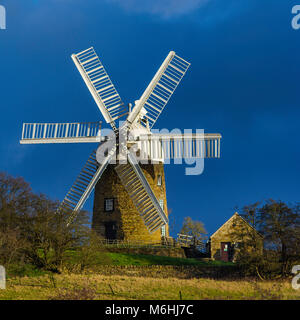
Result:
x=127 y=259
x=123 y=259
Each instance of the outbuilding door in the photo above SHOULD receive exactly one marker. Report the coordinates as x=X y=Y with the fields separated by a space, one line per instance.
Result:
x=225 y=251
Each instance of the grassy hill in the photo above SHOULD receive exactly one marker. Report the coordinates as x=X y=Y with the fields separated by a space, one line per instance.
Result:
x=74 y=259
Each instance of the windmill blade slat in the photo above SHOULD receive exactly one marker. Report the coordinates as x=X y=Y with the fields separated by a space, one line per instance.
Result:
x=155 y=225
x=88 y=170
x=138 y=192
x=143 y=199
x=76 y=192
x=153 y=222
x=75 y=132
x=164 y=87
x=139 y=196
x=110 y=97
x=159 y=97
x=98 y=80
x=92 y=164
x=153 y=107
x=105 y=88
x=75 y=186
x=177 y=69
x=147 y=205
x=133 y=179
x=148 y=215
x=67 y=206
x=171 y=80
x=152 y=219
x=114 y=107
x=72 y=199
x=75 y=200
x=134 y=183
x=93 y=70
x=81 y=183
x=83 y=178
x=89 y=65
x=88 y=61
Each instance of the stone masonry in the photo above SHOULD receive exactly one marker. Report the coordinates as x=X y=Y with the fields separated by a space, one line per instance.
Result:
x=127 y=222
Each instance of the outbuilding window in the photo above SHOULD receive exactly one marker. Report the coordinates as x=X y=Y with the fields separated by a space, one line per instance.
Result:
x=238 y=245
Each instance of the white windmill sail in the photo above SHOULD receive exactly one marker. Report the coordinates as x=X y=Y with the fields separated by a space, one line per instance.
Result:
x=84 y=185
x=100 y=85
x=138 y=188
x=160 y=89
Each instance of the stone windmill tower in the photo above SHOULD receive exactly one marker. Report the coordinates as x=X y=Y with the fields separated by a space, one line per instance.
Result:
x=127 y=168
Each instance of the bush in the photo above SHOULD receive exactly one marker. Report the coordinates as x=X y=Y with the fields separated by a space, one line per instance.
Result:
x=23 y=270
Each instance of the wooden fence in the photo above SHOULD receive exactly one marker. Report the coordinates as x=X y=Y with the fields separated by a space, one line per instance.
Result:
x=165 y=242
x=189 y=241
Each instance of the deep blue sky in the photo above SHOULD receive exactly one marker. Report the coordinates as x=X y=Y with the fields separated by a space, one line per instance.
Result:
x=243 y=83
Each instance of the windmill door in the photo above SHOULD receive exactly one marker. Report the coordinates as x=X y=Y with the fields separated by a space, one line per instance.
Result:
x=111 y=230
x=225 y=251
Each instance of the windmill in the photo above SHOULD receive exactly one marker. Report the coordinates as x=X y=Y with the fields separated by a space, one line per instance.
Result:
x=128 y=146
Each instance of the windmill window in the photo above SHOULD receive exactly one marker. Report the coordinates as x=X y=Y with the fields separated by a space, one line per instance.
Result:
x=163 y=231
x=161 y=203
x=109 y=205
x=159 y=179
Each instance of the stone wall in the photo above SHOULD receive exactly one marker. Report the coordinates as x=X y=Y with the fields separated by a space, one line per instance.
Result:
x=130 y=225
x=180 y=272
x=165 y=252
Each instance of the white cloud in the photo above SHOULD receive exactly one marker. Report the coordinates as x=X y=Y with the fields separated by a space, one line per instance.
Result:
x=163 y=8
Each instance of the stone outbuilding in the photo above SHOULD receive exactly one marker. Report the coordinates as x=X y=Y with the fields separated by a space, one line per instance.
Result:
x=231 y=236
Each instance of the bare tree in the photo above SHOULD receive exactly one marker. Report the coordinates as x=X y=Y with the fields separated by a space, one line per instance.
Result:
x=15 y=201
x=279 y=223
x=194 y=228
x=31 y=225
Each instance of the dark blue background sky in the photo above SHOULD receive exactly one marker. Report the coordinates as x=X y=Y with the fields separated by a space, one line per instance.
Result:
x=243 y=83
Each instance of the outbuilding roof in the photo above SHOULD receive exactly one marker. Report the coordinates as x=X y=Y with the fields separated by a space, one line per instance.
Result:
x=235 y=215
